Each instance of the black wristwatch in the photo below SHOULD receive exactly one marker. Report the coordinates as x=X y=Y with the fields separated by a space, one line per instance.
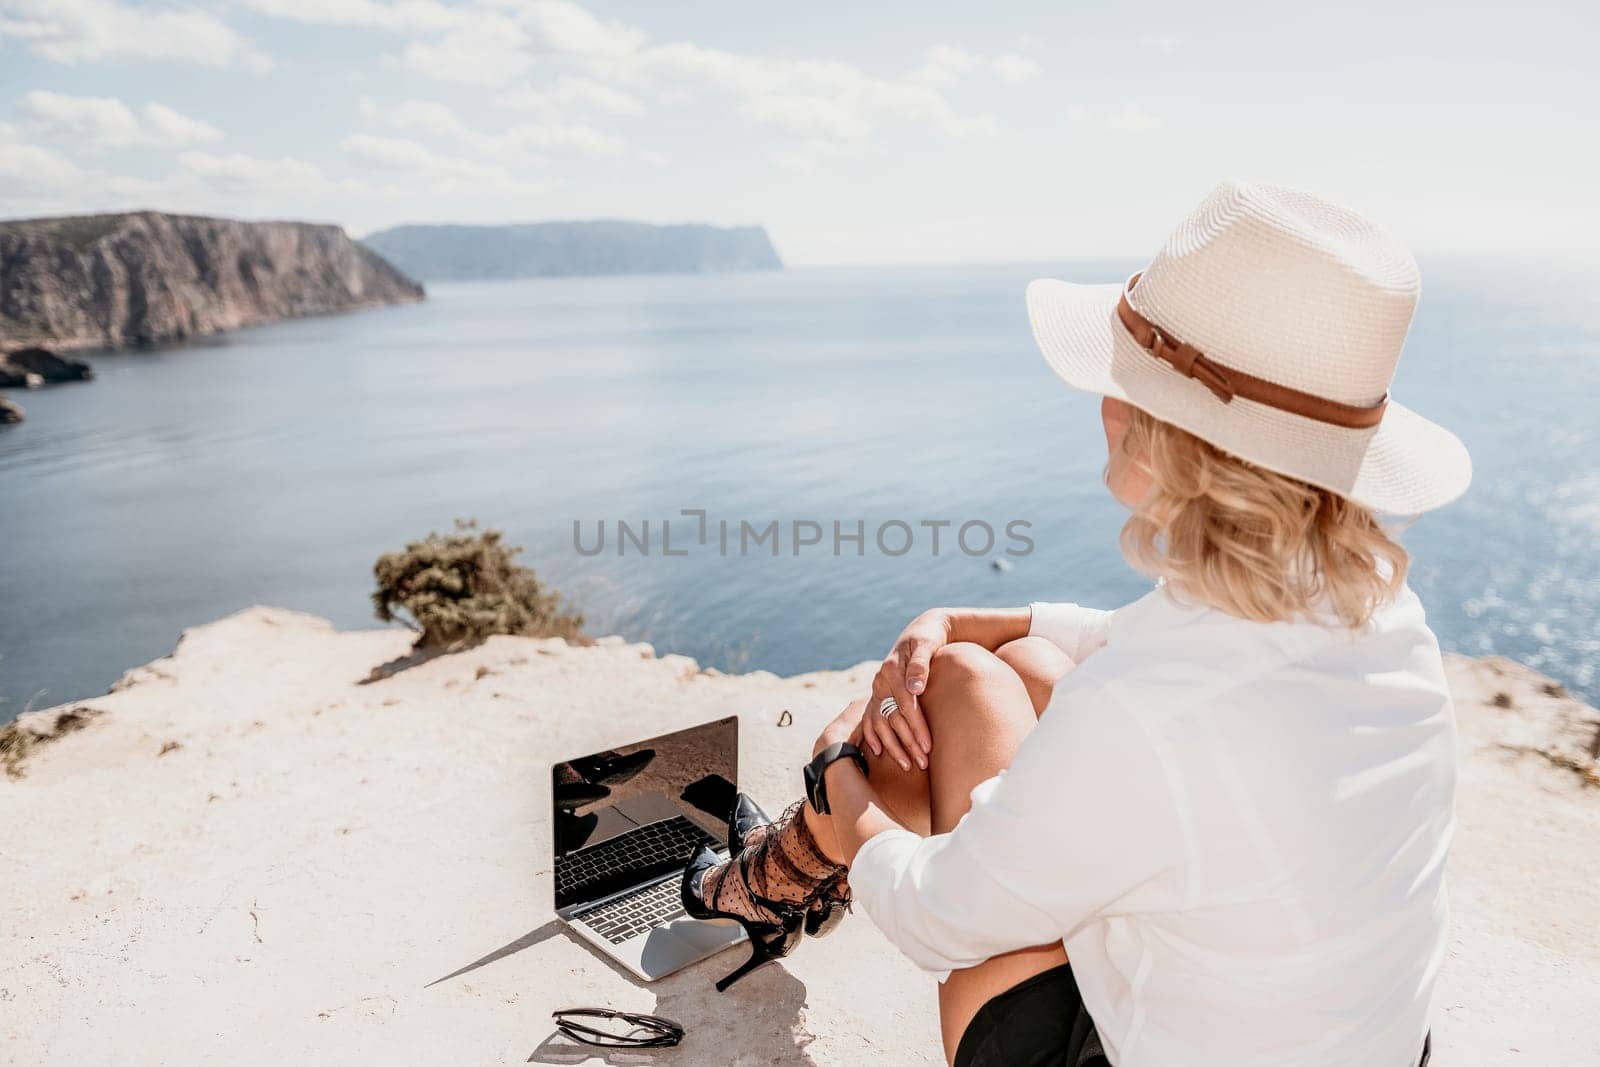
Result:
x=816 y=788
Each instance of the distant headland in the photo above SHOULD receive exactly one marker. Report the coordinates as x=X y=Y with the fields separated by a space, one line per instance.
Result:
x=109 y=281
x=545 y=249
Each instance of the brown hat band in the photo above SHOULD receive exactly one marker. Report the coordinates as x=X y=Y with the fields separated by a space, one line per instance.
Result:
x=1227 y=382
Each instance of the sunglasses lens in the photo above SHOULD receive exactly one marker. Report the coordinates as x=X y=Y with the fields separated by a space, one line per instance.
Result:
x=621 y=1031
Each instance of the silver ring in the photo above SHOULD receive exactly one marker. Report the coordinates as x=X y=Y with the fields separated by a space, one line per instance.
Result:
x=888 y=707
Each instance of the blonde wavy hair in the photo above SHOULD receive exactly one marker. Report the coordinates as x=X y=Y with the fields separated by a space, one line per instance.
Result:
x=1251 y=542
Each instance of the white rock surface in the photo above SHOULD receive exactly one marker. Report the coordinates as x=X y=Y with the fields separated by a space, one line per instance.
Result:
x=317 y=870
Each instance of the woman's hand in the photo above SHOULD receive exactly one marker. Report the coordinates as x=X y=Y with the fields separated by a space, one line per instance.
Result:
x=903 y=676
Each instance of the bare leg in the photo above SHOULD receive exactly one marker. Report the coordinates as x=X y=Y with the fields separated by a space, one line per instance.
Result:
x=979 y=705
x=1037 y=662
x=904 y=793
x=978 y=701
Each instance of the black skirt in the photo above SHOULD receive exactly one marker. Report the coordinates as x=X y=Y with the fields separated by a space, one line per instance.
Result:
x=1041 y=1022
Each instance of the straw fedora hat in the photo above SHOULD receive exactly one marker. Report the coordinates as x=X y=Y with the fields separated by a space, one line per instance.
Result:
x=1269 y=325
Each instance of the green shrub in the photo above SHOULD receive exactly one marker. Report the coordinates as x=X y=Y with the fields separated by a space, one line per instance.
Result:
x=459 y=588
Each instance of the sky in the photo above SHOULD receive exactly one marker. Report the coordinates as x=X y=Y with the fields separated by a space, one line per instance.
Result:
x=857 y=133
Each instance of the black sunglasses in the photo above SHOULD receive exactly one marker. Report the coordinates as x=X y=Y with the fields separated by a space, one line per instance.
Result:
x=646 y=1031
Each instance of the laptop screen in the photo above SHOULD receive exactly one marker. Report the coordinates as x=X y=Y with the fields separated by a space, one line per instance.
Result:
x=628 y=815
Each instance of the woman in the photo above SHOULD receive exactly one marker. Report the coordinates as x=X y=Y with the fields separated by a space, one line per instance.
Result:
x=1208 y=827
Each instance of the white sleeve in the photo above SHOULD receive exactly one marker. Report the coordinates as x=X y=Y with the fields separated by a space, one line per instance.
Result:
x=1083 y=816
x=1073 y=628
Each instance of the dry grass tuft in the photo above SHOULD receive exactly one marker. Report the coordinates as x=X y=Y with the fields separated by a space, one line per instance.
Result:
x=21 y=739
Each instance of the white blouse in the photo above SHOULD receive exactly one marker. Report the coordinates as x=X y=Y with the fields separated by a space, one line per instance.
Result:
x=1238 y=829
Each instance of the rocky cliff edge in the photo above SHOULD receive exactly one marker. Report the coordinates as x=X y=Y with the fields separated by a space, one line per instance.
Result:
x=148 y=277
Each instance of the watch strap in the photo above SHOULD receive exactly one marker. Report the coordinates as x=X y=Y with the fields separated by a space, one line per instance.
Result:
x=816 y=786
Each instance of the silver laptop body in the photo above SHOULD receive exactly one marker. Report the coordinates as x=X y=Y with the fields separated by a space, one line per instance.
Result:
x=626 y=821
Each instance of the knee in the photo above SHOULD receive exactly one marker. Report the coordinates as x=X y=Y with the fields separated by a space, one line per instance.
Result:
x=1039 y=663
x=958 y=669
x=1035 y=659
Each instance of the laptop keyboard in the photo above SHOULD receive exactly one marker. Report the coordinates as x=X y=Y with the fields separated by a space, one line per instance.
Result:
x=660 y=845
x=634 y=914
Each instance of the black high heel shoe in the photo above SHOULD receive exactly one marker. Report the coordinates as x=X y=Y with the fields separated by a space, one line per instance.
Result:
x=826 y=907
x=745 y=817
x=768 y=941
x=830 y=907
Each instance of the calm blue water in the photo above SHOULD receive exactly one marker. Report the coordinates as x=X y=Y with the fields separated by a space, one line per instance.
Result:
x=273 y=465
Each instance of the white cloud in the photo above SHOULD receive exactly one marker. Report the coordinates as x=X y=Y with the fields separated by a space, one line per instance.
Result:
x=559 y=26
x=1131 y=118
x=804 y=97
x=437 y=120
x=37 y=180
x=408 y=16
x=426 y=116
x=572 y=93
x=41 y=180
x=584 y=92
x=573 y=137
x=28 y=171
x=809 y=157
x=1014 y=69
x=101 y=122
x=239 y=173
x=809 y=115
x=610 y=67
x=490 y=50
x=171 y=127
x=572 y=30
x=944 y=65
x=80 y=31
x=411 y=159
x=490 y=42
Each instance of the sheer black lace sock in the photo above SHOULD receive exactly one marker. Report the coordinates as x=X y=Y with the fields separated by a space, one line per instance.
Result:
x=834 y=884
x=781 y=864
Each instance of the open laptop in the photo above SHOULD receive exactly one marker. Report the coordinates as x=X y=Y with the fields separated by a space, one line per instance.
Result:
x=626 y=821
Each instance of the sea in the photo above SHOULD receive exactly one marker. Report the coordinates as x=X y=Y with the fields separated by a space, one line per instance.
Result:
x=767 y=471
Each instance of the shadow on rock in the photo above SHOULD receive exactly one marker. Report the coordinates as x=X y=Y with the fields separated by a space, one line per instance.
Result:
x=760 y=1020
x=558 y=1048
x=553 y=928
x=415 y=658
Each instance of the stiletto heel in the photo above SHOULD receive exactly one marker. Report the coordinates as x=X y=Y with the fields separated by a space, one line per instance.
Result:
x=759 y=955
x=768 y=940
